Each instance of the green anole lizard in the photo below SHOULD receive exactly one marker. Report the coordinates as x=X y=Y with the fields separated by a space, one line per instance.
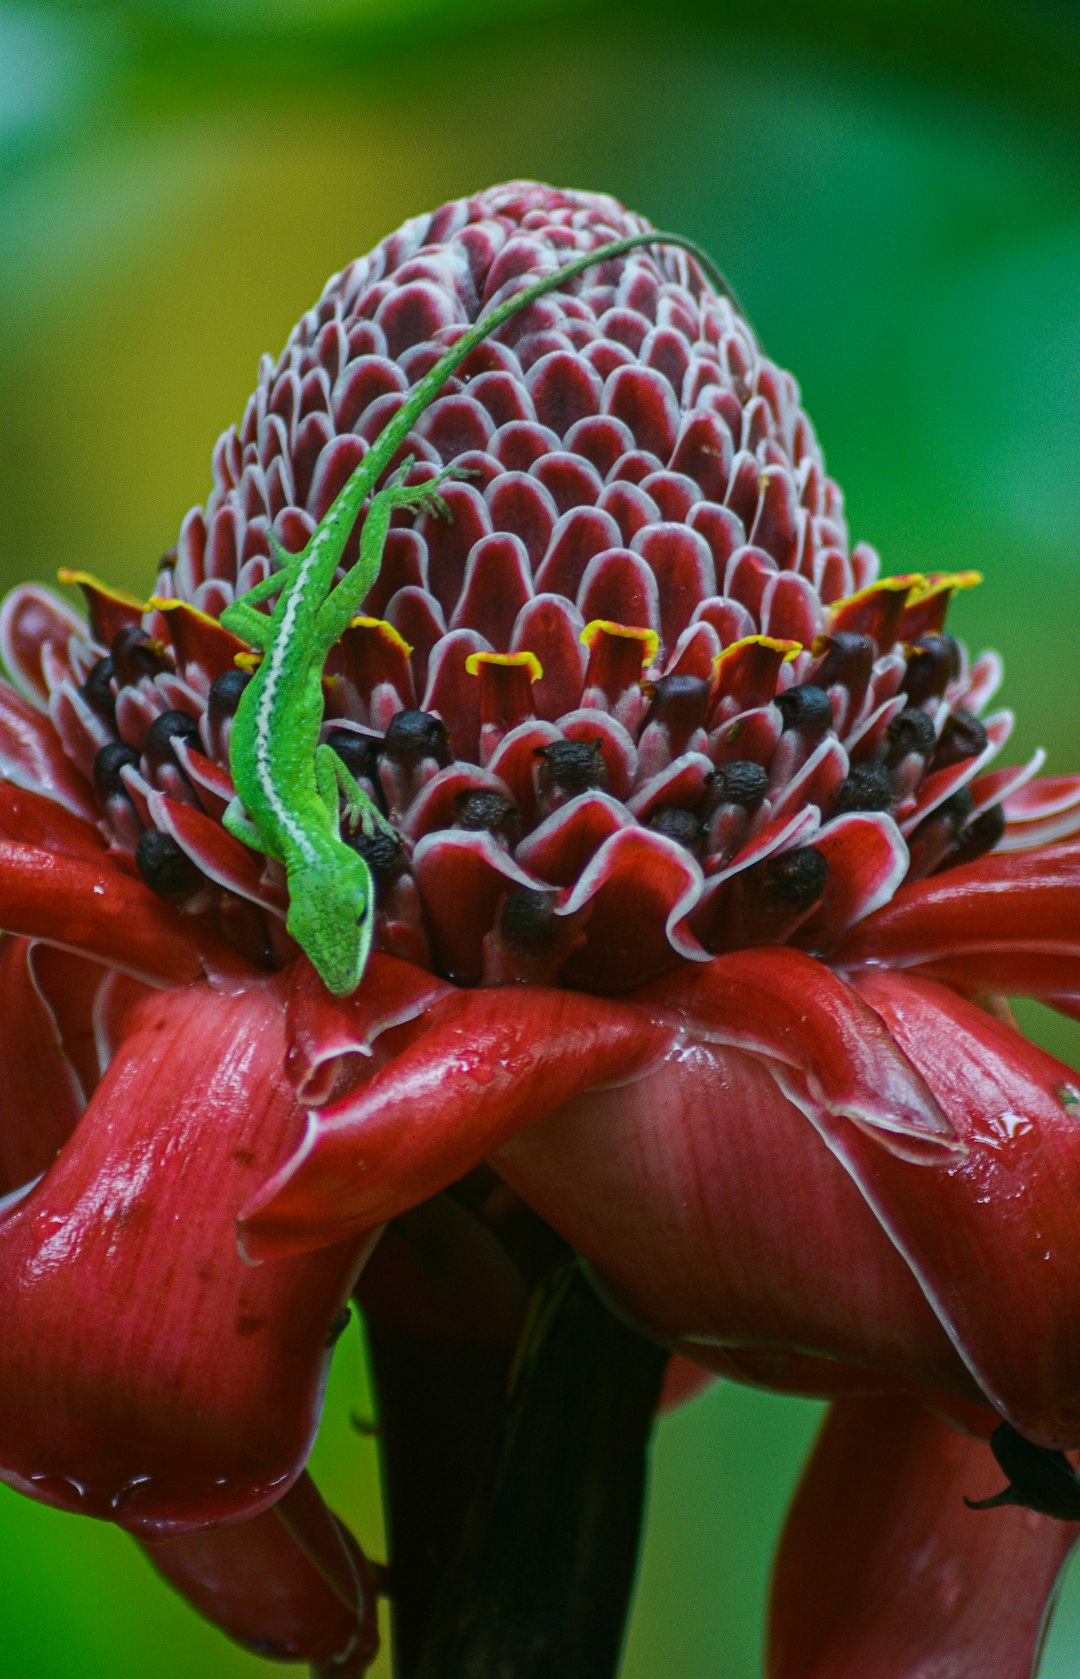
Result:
x=290 y=787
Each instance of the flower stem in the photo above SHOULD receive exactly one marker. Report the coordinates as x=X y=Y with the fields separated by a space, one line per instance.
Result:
x=540 y=1584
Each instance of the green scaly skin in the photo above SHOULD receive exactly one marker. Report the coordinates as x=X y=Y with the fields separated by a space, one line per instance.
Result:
x=290 y=788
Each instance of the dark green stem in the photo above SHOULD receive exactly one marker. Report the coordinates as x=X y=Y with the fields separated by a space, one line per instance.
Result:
x=540 y=1585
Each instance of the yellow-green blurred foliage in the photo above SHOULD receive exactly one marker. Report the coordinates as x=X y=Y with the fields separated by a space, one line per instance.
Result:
x=895 y=192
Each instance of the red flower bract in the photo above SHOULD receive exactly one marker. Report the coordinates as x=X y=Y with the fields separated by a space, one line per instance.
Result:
x=700 y=882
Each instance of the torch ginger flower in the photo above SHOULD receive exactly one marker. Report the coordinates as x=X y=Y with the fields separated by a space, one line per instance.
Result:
x=703 y=881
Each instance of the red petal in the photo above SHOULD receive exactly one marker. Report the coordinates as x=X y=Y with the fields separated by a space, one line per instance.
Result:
x=991 y=1234
x=867 y=860
x=323 y=1030
x=97 y=912
x=125 y=1297
x=1015 y=905
x=884 y=1572
x=257 y=1582
x=30 y=618
x=40 y=1097
x=718 y=1216
x=486 y=1064
x=826 y=1048
x=639 y=888
x=31 y=755
x=1043 y=810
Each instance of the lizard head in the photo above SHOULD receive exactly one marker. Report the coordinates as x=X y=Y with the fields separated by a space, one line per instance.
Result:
x=332 y=918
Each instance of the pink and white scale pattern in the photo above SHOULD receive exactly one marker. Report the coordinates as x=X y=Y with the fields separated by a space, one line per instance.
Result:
x=635 y=701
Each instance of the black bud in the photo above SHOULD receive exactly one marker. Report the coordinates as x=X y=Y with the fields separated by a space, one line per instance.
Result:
x=168 y=728
x=866 y=788
x=962 y=737
x=107 y=766
x=680 y=700
x=849 y=659
x=359 y=753
x=97 y=691
x=797 y=877
x=805 y=707
x=571 y=766
x=135 y=655
x=482 y=809
x=978 y=837
x=1039 y=1478
x=911 y=731
x=528 y=918
x=225 y=692
x=677 y=824
x=738 y=783
x=954 y=810
x=413 y=735
x=384 y=853
x=165 y=868
x=932 y=663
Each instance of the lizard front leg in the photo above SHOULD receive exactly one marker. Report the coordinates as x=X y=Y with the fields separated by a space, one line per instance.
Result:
x=343 y=602
x=338 y=786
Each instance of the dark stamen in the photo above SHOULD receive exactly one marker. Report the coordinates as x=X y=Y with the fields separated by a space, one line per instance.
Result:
x=849 y=659
x=481 y=809
x=571 y=766
x=738 y=783
x=866 y=788
x=677 y=824
x=797 y=877
x=384 y=853
x=805 y=707
x=135 y=655
x=359 y=753
x=679 y=700
x=97 y=691
x=165 y=868
x=417 y=734
x=225 y=692
x=932 y=663
x=107 y=766
x=911 y=731
x=978 y=837
x=528 y=918
x=168 y=728
x=962 y=737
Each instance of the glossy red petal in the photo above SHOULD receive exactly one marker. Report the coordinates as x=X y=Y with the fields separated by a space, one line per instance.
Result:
x=884 y=1573
x=40 y=1094
x=289 y=1584
x=126 y=1298
x=867 y=860
x=485 y=1064
x=31 y=617
x=1044 y=810
x=32 y=756
x=323 y=1031
x=717 y=1216
x=1019 y=903
x=991 y=1234
x=829 y=1051
x=94 y=910
x=639 y=889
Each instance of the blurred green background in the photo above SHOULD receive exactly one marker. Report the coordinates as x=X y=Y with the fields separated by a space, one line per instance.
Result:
x=895 y=192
